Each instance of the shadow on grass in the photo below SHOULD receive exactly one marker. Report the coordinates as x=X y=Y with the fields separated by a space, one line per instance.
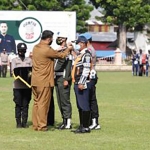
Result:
x=56 y=125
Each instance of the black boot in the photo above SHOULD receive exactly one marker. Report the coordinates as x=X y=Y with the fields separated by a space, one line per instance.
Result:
x=24 y=123
x=18 y=116
x=81 y=123
x=18 y=123
x=68 y=124
x=95 y=125
x=63 y=125
x=24 y=117
x=86 y=122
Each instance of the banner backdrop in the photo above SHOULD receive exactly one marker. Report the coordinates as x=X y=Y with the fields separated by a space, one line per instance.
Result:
x=27 y=26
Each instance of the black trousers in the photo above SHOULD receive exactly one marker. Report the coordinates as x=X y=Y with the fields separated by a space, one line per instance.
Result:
x=93 y=100
x=22 y=99
x=4 y=70
x=141 y=69
x=51 y=112
x=10 y=70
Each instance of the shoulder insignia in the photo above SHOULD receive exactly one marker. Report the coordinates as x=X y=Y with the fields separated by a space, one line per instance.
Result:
x=87 y=59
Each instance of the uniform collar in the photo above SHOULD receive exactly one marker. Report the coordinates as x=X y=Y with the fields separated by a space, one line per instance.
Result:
x=3 y=35
x=83 y=51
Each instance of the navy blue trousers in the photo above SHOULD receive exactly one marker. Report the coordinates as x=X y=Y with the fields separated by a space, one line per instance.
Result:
x=82 y=98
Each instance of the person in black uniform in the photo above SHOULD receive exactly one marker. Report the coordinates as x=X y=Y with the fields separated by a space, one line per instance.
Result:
x=21 y=66
x=7 y=42
x=80 y=77
x=63 y=82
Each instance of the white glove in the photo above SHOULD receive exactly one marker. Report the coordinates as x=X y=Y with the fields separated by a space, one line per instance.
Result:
x=92 y=74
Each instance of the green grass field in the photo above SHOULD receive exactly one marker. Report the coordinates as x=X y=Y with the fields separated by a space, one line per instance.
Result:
x=124 y=105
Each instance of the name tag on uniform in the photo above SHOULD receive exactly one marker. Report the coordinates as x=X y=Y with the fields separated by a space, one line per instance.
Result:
x=8 y=41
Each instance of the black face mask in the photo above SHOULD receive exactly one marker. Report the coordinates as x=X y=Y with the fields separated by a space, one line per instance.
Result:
x=59 y=41
x=21 y=53
x=50 y=43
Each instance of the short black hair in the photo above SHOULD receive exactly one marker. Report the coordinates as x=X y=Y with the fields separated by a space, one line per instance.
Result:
x=90 y=40
x=47 y=34
x=3 y=22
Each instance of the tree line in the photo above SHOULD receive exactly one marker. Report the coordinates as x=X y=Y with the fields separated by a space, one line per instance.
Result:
x=126 y=14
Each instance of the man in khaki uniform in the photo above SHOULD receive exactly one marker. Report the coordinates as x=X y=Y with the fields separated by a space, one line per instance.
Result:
x=43 y=78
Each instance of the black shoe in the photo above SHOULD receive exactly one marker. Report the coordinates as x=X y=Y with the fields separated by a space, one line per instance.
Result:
x=18 y=126
x=62 y=126
x=18 y=123
x=82 y=130
x=24 y=125
x=77 y=130
x=50 y=124
x=85 y=130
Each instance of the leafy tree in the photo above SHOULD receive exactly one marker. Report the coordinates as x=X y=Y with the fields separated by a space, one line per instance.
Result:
x=126 y=14
x=80 y=7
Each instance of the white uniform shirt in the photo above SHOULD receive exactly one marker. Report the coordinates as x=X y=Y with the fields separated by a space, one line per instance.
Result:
x=16 y=63
x=11 y=56
x=4 y=59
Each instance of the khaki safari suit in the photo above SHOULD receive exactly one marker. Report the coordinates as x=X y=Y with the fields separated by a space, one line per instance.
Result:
x=42 y=80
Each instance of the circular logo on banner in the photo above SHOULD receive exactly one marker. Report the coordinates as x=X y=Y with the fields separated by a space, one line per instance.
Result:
x=30 y=30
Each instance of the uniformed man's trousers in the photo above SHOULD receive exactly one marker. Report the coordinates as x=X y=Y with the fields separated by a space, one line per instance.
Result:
x=42 y=97
x=93 y=100
x=51 y=112
x=82 y=97
x=10 y=71
x=4 y=70
x=63 y=97
x=22 y=99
